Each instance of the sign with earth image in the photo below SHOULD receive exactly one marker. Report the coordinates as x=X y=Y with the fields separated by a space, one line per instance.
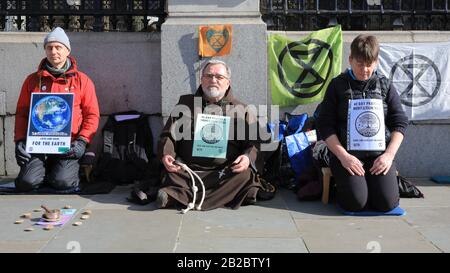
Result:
x=50 y=123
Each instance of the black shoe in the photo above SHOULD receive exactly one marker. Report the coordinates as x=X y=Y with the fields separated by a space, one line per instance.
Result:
x=138 y=197
x=267 y=191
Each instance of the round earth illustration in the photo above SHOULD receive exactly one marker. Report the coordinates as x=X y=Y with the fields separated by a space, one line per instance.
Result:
x=51 y=114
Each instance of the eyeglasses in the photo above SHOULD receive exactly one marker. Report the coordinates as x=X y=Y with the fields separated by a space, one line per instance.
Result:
x=217 y=76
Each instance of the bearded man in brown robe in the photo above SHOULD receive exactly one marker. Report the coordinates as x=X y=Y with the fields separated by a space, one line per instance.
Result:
x=229 y=177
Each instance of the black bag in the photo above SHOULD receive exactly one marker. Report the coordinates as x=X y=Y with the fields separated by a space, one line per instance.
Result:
x=408 y=189
x=309 y=184
x=127 y=153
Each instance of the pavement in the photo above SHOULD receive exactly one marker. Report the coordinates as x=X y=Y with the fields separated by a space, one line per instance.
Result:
x=281 y=225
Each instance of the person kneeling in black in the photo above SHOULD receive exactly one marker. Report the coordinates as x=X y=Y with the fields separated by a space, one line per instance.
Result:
x=363 y=124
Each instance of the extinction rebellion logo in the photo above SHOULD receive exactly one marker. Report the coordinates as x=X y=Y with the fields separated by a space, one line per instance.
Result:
x=305 y=82
x=422 y=81
x=217 y=39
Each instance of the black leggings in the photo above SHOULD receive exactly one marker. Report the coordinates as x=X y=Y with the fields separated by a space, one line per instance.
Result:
x=368 y=192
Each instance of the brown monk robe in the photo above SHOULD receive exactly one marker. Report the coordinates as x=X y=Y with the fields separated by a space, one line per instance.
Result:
x=224 y=188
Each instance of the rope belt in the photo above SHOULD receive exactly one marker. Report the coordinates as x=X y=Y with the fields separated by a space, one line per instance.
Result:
x=192 y=175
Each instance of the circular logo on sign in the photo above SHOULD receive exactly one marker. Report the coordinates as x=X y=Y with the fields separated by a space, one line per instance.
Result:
x=416 y=78
x=305 y=82
x=211 y=133
x=217 y=39
x=367 y=124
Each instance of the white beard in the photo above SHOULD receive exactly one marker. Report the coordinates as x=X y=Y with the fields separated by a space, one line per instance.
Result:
x=212 y=92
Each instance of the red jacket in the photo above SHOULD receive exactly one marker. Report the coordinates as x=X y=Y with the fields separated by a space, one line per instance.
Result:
x=86 y=112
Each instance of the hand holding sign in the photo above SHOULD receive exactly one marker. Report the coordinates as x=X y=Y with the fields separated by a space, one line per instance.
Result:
x=77 y=149
x=22 y=157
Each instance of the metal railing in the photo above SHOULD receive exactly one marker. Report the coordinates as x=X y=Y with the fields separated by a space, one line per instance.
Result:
x=356 y=14
x=82 y=15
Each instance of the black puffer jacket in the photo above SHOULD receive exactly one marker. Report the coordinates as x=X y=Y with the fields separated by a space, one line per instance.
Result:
x=333 y=114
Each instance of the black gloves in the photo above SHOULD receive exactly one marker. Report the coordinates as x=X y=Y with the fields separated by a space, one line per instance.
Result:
x=77 y=149
x=22 y=157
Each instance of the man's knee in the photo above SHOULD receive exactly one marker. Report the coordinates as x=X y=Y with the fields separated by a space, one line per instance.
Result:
x=31 y=175
x=64 y=179
x=64 y=175
x=26 y=183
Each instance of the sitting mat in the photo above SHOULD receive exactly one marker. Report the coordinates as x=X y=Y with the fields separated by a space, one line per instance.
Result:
x=398 y=211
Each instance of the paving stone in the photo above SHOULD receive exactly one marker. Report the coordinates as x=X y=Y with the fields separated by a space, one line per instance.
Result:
x=429 y=217
x=249 y=221
x=439 y=236
x=120 y=231
x=239 y=244
x=362 y=235
x=116 y=199
x=21 y=246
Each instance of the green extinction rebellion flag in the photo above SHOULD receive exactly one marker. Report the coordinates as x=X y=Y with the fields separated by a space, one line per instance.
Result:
x=300 y=70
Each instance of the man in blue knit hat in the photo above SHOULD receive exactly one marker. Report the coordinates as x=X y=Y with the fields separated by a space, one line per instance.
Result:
x=57 y=73
x=58 y=35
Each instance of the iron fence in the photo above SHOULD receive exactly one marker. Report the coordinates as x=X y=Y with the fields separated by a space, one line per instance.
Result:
x=148 y=15
x=356 y=14
x=82 y=15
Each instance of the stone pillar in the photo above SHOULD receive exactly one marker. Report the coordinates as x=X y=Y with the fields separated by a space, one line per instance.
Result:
x=2 y=128
x=179 y=48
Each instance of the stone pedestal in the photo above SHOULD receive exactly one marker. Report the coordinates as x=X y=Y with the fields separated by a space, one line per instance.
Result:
x=179 y=48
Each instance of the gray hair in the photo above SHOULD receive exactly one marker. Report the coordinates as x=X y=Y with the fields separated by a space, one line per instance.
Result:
x=213 y=62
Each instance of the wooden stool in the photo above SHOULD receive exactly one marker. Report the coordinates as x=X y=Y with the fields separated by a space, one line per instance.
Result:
x=326 y=177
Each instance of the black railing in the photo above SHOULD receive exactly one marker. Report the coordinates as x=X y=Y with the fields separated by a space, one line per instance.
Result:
x=82 y=15
x=356 y=14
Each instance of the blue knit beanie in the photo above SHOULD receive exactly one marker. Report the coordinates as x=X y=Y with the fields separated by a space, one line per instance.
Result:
x=57 y=35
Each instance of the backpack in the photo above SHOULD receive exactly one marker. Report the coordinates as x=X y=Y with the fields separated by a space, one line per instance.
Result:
x=127 y=154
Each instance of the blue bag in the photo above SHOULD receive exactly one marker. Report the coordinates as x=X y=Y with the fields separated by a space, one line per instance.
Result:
x=292 y=124
x=299 y=151
x=281 y=129
x=295 y=123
